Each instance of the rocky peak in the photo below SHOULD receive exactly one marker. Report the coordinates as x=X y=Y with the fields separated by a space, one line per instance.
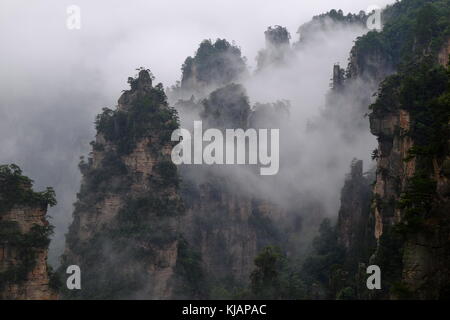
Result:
x=214 y=64
x=24 y=238
x=140 y=86
x=143 y=80
x=227 y=107
x=277 y=48
x=411 y=189
x=276 y=37
x=128 y=205
x=444 y=53
x=354 y=213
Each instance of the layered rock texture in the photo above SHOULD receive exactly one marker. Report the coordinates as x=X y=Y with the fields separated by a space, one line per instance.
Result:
x=409 y=215
x=353 y=218
x=224 y=222
x=412 y=187
x=125 y=233
x=406 y=229
x=277 y=50
x=228 y=229
x=215 y=64
x=24 y=238
x=187 y=234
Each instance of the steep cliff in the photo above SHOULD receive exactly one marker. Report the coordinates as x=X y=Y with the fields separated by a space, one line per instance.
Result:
x=410 y=119
x=353 y=220
x=228 y=228
x=326 y=22
x=224 y=222
x=187 y=234
x=24 y=238
x=214 y=64
x=128 y=205
x=406 y=230
x=412 y=187
x=409 y=214
x=277 y=50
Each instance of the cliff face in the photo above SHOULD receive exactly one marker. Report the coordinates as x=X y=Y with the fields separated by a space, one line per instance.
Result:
x=411 y=194
x=213 y=65
x=409 y=211
x=444 y=53
x=36 y=283
x=353 y=220
x=24 y=231
x=224 y=223
x=128 y=205
x=412 y=191
x=329 y=21
x=393 y=148
x=228 y=228
x=179 y=239
x=277 y=50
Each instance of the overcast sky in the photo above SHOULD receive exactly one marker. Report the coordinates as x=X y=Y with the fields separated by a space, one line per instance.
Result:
x=116 y=36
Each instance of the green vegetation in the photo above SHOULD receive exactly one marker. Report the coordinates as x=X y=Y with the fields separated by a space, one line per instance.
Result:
x=146 y=75
x=277 y=35
x=338 y=16
x=389 y=257
x=16 y=190
x=265 y=228
x=327 y=257
x=150 y=114
x=274 y=277
x=55 y=283
x=422 y=89
x=323 y=21
x=147 y=116
x=347 y=293
x=416 y=202
x=167 y=174
x=140 y=208
x=425 y=93
x=269 y=115
x=37 y=237
x=189 y=269
x=413 y=29
x=214 y=63
x=101 y=178
x=144 y=224
x=265 y=281
x=414 y=33
x=227 y=106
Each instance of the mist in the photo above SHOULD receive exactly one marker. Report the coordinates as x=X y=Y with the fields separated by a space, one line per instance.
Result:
x=321 y=130
x=53 y=81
